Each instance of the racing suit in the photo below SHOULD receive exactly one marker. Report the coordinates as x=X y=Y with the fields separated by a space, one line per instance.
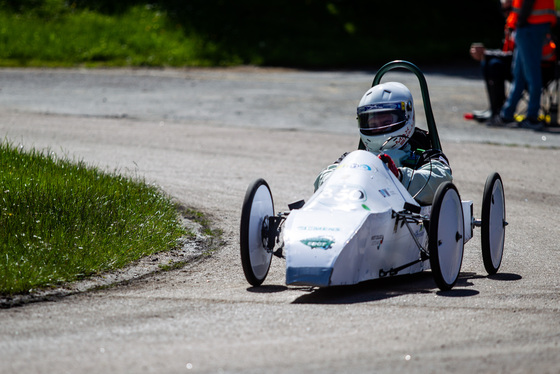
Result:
x=420 y=171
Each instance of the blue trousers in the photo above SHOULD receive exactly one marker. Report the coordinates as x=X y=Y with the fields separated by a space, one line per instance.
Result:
x=527 y=69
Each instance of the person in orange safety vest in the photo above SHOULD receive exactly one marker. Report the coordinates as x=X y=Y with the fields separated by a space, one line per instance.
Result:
x=526 y=12
x=496 y=65
x=531 y=21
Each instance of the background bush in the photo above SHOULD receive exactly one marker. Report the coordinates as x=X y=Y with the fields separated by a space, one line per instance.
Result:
x=305 y=33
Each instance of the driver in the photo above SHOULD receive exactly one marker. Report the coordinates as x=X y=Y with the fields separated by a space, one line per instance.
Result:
x=387 y=129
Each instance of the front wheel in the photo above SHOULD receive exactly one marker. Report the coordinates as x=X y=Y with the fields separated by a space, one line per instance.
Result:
x=494 y=223
x=257 y=208
x=445 y=240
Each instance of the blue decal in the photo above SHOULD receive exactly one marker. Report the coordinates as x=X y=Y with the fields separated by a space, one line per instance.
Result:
x=355 y=166
x=384 y=193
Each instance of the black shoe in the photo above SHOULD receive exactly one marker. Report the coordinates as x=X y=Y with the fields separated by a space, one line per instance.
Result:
x=499 y=121
x=531 y=124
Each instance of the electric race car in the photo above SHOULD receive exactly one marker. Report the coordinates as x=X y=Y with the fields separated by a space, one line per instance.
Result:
x=363 y=224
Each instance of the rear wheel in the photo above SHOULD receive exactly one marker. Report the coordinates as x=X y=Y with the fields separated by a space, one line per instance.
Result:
x=494 y=223
x=257 y=208
x=446 y=233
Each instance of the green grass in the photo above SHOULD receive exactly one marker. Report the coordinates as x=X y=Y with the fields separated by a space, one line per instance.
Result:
x=142 y=36
x=61 y=221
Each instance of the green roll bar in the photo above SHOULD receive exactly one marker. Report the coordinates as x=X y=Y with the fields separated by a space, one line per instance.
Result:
x=432 y=130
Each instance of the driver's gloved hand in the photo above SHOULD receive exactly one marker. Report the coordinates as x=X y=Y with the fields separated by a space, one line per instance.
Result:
x=390 y=163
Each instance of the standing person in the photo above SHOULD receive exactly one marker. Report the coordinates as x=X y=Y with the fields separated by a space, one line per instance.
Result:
x=496 y=69
x=531 y=20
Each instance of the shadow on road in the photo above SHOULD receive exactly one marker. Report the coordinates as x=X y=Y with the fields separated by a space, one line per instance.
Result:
x=505 y=277
x=374 y=290
x=267 y=289
x=381 y=289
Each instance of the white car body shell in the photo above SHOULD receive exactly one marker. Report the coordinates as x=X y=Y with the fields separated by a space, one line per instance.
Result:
x=348 y=231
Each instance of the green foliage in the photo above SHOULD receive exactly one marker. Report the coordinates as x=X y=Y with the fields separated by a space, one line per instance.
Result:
x=39 y=8
x=60 y=221
x=305 y=33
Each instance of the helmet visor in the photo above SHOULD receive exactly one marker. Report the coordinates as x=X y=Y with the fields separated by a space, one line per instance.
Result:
x=381 y=121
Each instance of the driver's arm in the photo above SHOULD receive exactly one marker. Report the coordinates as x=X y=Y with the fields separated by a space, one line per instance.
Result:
x=425 y=180
x=323 y=176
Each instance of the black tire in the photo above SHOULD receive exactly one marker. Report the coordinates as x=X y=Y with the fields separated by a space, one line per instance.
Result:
x=493 y=223
x=257 y=207
x=446 y=232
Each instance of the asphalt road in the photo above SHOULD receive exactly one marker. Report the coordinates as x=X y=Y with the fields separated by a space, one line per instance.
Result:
x=203 y=136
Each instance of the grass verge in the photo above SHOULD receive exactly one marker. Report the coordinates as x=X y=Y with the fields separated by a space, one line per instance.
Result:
x=61 y=221
x=142 y=36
